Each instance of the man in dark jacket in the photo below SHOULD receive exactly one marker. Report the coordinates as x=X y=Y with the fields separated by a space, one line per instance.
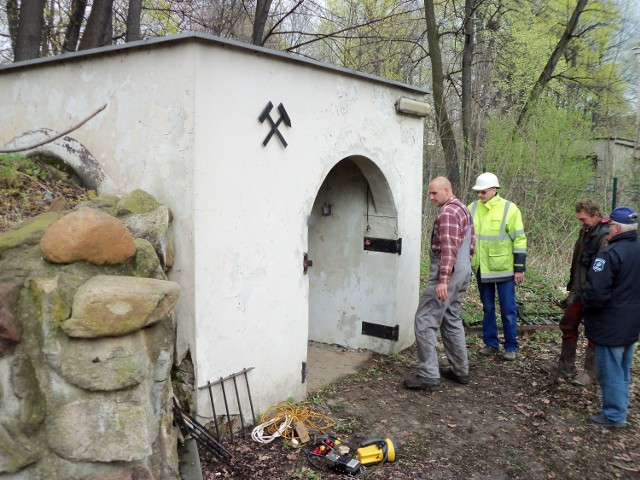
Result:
x=591 y=240
x=612 y=302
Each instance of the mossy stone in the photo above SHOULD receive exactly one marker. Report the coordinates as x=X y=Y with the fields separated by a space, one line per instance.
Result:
x=147 y=263
x=29 y=232
x=138 y=201
x=104 y=203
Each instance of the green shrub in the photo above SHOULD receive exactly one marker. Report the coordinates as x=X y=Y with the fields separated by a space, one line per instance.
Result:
x=15 y=169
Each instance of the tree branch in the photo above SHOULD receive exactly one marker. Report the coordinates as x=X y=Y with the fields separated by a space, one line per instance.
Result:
x=62 y=134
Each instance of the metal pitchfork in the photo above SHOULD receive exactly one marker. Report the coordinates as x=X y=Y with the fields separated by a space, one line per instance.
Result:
x=220 y=382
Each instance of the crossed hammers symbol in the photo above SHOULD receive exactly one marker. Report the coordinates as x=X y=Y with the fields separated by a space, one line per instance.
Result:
x=284 y=117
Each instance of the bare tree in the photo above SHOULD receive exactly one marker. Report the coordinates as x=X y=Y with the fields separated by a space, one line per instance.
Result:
x=133 y=20
x=547 y=72
x=72 y=33
x=13 y=15
x=99 y=25
x=29 y=31
x=443 y=124
x=260 y=21
x=468 y=28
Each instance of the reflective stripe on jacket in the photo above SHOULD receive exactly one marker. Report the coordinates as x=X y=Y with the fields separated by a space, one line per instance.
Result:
x=501 y=244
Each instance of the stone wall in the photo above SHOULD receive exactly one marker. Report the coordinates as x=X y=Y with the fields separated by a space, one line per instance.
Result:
x=87 y=344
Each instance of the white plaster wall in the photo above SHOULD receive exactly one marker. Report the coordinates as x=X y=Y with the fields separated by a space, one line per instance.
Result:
x=252 y=204
x=143 y=139
x=182 y=123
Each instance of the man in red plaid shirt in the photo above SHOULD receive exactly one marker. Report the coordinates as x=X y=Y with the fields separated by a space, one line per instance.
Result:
x=452 y=246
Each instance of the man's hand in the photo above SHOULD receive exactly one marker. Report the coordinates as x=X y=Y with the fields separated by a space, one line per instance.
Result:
x=442 y=291
x=519 y=277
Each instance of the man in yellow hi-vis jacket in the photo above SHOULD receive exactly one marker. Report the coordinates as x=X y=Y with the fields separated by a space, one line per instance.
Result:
x=499 y=262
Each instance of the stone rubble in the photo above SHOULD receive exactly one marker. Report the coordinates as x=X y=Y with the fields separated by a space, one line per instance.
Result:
x=87 y=342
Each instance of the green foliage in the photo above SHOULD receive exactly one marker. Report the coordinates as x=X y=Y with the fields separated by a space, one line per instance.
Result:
x=14 y=168
x=587 y=76
x=345 y=425
x=524 y=47
x=319 y=396
x=307 y=473
x=543 y=288
x=545 y=170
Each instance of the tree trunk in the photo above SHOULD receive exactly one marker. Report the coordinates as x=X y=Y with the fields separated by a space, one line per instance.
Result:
x=72 y=34
x=260 y=22
x=445 y=131
x=13 y=17
x=133 y=21
x=47 y=47
x=467 y=61
x=547 y=72
x=29 y=34
x=98 y=30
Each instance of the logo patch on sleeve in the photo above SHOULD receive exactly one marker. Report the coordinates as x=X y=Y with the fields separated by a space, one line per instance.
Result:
x=598 y=264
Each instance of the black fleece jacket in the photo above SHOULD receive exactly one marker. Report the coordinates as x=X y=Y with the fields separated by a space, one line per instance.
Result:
x=612 y=299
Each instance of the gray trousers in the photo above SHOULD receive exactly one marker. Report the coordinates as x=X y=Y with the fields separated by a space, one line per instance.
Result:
x=434 y=314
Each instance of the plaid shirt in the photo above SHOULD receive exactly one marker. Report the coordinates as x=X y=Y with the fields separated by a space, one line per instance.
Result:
x=448 y=234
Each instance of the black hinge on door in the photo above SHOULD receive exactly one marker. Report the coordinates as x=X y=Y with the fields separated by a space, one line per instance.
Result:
x=380 y=331
x=383 y=245
x=306 y=263
x=304 y=372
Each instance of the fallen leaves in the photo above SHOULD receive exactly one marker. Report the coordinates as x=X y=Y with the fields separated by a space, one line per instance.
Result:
x=533 y=427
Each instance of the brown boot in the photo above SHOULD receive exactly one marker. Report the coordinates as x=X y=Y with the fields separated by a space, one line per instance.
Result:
x=566 y=364
x=587 y=377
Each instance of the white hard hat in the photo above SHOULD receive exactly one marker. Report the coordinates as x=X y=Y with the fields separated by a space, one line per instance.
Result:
x=486 y=180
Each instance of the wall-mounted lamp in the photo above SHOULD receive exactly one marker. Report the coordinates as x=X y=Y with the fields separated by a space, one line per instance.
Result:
x=413 y=107
x=326 y=208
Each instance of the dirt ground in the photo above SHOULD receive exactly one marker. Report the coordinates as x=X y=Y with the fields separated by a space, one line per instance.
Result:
x=511 y=422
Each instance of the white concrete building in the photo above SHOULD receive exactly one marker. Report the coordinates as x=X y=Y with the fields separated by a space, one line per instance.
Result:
x=247 y=147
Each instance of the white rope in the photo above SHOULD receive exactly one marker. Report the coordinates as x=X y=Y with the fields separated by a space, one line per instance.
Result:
x=258 y=432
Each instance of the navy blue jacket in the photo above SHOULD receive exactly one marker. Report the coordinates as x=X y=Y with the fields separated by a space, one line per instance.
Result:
x=612 y=299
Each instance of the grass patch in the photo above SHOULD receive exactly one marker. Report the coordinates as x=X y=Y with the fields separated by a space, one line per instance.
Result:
x=345 y=425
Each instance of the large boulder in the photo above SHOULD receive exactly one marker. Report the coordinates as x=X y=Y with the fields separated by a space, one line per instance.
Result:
x=100 y=431
x=108 y=306
x=90 y=235
x=105 y=364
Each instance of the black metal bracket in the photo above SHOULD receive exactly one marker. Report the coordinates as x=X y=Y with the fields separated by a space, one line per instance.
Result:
x=306 y=263
x=383 y=245
x=380 y=331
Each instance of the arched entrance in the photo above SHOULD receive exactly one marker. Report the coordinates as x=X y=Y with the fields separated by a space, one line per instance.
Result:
x=354 y=249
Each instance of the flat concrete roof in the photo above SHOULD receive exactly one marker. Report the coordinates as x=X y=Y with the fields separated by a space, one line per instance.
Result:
x=208 y=39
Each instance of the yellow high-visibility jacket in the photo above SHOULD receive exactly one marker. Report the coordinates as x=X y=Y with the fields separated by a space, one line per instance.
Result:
x=501 y=245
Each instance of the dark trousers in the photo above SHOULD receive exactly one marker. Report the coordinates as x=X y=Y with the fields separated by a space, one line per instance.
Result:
x=570 y=322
